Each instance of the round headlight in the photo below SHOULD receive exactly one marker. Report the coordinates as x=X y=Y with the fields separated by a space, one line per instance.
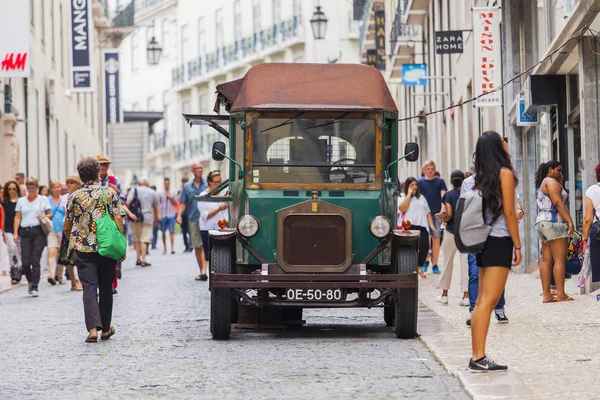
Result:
x=248 y=226
x=380 y=227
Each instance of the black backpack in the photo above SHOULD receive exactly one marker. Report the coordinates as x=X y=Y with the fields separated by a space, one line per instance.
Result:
x=136 y=207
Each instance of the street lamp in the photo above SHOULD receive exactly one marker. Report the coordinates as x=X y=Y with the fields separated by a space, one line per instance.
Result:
x=153 y=52
x=318 y=24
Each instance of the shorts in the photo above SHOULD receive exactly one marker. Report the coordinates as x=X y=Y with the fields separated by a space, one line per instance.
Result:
x=438 y=228
x=498 y=252
x=54 y=239
x=547 y=230
x=167 y=223
x=205 y=244
x=195 y=236
x=141 y=232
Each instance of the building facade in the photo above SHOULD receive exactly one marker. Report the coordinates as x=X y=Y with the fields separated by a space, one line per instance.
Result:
x=548 y=59
x=52 y=126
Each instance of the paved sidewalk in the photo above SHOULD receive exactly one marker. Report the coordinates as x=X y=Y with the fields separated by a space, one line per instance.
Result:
x=552 y=349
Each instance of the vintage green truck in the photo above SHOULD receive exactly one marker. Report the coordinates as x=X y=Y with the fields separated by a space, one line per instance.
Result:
x=312 y=150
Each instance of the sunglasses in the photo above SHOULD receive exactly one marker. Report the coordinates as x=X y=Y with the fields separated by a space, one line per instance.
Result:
x=12 y=189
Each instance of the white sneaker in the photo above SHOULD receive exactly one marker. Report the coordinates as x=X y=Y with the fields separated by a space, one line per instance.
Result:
x=34 y=293
x=442 y=299
x=464 y=302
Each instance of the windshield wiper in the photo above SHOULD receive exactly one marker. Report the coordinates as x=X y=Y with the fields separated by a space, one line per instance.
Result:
x=333 y=121
x=289 y=121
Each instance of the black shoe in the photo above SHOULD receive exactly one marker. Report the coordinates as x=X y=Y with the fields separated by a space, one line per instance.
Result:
x=485 y=364
x=172 y=251
x=203 y=277
x=51 y=281
x=501 y=317
x=469 y=322
x=138 y=262
x=114 y=291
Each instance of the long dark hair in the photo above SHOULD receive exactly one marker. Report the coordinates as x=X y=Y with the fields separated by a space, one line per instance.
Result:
x=407 y=183
x=490 y=158
x=542 y=171
x=6 y=197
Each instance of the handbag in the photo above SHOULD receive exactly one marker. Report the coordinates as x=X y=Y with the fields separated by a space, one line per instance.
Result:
x=135 y=207
x=111 y=242
x=45 y=223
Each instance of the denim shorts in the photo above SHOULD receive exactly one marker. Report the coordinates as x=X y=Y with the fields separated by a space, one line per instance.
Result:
x=167 y=223
x=547 y=230
x=438 y=227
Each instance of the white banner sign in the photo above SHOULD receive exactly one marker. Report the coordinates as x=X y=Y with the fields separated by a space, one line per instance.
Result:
x=487 y=56
x=14 y=39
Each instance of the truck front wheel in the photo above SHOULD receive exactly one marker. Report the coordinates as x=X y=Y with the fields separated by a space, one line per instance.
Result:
x=405 y=324
x=221 y=299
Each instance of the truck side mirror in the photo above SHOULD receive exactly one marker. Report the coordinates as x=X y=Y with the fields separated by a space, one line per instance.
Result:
x=411 y=151
x=218 y=151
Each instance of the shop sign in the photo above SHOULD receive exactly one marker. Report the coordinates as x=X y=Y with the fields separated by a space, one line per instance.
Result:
x=449 y=42
x=380 y=39
x=81 y=46
x=112 y=95
x=414 y=74
x=14 y=39
x=487 y=56
x=525 y=118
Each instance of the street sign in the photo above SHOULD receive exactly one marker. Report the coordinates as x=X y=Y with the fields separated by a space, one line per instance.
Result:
x=448 y=42
x=414 y=74
x=523 y=117
x=14 y=39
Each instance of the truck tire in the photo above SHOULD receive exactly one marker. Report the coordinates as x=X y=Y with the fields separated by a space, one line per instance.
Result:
x=406 y=299
x=221 y=299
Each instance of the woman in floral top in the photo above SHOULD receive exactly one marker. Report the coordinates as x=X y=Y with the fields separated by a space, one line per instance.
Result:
x=96 y=272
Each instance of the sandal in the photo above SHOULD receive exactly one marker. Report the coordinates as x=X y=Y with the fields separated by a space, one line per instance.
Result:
x=568 y=298
x=421 y=273
x=91 y=339
x=198 y=278
x=13 y=282
x=110 y=333
x=553 y=300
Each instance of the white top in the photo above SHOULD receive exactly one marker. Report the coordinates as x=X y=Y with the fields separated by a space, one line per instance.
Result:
x=416 y=213
x=593 y=193
x=30 y=210
x=204 y=207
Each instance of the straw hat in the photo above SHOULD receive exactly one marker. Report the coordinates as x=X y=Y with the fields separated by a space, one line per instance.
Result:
x=102 y=159
x=74 y=178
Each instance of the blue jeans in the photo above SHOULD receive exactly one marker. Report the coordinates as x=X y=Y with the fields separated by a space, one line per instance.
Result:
x=154 y=236
x=474 y=285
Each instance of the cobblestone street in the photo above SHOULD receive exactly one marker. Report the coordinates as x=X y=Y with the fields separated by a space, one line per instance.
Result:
x=163 y=348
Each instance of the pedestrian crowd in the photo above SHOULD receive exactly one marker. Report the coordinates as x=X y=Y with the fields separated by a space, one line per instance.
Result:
x=432 y=209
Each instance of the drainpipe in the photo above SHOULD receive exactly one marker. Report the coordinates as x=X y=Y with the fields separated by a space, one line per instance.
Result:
x=26 y=92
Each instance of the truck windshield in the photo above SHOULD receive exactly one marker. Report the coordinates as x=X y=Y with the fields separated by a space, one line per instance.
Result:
x=313 y=150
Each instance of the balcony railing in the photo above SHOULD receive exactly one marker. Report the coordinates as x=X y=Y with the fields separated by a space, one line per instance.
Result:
x=159 y=141
x=399 y=27
x=237 y=51
x=143 y=5
x=125 y=17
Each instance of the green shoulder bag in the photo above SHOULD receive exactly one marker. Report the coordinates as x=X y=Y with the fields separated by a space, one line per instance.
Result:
x=111 y=242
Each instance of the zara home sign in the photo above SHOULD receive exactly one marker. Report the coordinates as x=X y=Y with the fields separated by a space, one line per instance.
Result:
x=449 y=42
x=487 y=56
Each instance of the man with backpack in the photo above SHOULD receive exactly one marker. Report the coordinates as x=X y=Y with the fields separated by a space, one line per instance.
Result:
x=143 y=202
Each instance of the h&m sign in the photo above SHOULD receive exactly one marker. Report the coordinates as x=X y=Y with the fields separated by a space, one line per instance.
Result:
x=449 y=42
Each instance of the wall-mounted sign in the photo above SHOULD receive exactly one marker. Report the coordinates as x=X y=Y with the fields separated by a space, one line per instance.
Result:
x=14 y=39
x=414 y=74
x=487 y=56
x=525 y=118
x=112 y=100
x=380 y=39
x=81 y=46
x=449 y=42
x=371 y=57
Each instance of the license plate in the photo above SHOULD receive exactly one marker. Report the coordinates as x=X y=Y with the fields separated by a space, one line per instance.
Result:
x=315 y=294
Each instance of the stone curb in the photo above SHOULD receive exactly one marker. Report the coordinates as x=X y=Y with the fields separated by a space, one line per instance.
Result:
x=452 y=349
